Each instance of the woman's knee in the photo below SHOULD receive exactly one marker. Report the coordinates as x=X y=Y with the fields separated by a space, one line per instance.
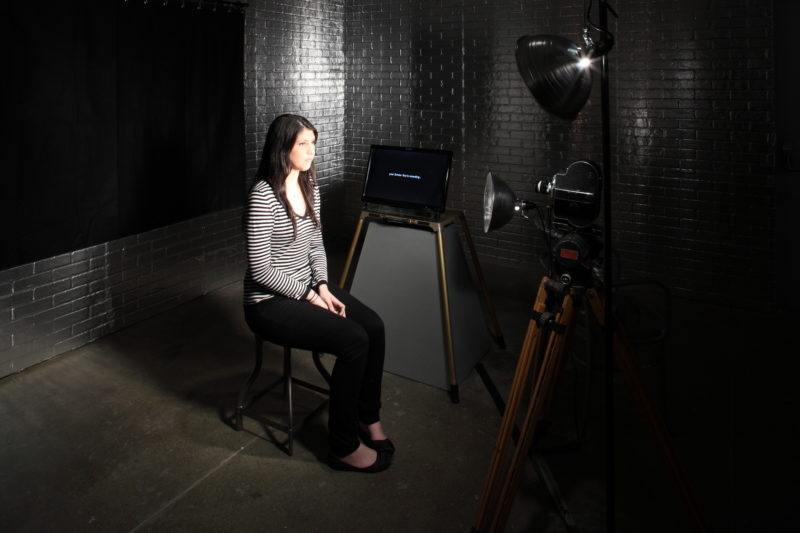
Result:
x=374 y=327
x=367 y=318
x=353 y=344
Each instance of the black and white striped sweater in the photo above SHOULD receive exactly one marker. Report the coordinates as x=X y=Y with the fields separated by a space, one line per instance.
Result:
x=277 y=261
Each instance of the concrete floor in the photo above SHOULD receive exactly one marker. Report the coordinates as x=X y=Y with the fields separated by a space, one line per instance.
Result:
x=129 y=434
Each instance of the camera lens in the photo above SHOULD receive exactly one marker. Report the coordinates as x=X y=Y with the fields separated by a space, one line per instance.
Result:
x=544 y=186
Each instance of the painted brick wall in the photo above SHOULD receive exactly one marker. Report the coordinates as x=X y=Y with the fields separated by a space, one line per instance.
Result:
x=695 y=137
x=379 y=87
x=692 y=126
x=294 y=63
x=54 y=305
x=443 y=75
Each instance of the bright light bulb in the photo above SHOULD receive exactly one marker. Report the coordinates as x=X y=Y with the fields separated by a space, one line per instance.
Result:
x=584 y=62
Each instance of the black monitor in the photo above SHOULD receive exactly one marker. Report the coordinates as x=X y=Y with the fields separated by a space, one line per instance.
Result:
x=414 y=178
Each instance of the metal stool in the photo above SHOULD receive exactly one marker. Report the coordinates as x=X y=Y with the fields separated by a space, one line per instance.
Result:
x=287 y=380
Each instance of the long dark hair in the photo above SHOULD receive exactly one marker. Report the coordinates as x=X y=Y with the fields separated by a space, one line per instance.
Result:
x=275 y=165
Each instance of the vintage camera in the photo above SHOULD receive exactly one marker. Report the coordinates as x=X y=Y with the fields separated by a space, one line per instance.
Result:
x=574 y=206
x=573 y=201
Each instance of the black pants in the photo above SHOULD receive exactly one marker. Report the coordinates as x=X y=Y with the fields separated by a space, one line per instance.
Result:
x=356 y=340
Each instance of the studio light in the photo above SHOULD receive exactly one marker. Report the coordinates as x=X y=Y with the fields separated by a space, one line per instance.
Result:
x=551 y=67
x=558 y=72
x=499 y=204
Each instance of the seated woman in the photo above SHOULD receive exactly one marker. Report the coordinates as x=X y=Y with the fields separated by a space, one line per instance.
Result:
x=287 y=299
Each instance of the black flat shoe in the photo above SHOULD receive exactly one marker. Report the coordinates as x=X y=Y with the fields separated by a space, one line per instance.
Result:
x=381 y=463
x=385 y=445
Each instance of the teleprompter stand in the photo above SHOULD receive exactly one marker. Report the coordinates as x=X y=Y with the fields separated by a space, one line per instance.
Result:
x=550 y=327
x=424 y=259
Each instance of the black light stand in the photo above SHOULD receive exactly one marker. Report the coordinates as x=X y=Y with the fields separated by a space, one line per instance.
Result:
x=608 y=280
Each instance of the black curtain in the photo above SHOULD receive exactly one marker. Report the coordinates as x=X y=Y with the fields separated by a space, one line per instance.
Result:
x=59 y=150
x=180 y=109
x=119 y=118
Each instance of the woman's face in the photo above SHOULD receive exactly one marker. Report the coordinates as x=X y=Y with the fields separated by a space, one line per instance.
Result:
x=302 y=154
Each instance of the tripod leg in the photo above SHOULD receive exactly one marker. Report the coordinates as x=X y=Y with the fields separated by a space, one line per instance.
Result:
x=623 y=353
x=483 y=517
x=556 y=347
x=569 y=323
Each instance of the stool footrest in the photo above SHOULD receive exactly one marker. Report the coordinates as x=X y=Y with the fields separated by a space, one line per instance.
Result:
x=310 y=386
x=285 y=428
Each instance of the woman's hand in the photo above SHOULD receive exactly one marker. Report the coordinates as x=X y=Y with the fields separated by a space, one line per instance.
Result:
x=333 y=303
x=316 y=299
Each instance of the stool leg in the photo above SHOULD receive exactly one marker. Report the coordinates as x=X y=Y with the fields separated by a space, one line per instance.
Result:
x=241 y=402
x=287 y=390
x=288 y=381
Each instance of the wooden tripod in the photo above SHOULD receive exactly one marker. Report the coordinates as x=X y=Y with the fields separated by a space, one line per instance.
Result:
x=549 y=330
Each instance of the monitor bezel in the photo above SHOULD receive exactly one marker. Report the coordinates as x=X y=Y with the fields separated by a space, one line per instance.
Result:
x=367 y=199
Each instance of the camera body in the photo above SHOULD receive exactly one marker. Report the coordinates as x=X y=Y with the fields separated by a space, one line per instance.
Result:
x=576 y=252
x=574 y=206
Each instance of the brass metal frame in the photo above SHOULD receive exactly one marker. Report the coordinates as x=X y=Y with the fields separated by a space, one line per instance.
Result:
x=437 y=227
